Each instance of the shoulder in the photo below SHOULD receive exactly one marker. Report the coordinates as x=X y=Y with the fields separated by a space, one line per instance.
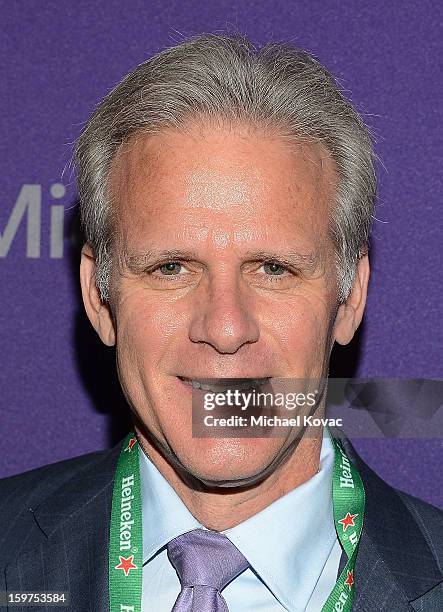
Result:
x=396 y=520
x=429 y=520
x=29 y=489
x=34 y=505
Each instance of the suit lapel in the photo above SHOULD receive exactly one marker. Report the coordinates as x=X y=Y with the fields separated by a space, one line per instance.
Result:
x=67 y=549
x=391 y=548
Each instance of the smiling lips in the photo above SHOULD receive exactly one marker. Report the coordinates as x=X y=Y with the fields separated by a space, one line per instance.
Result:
x=220 y=385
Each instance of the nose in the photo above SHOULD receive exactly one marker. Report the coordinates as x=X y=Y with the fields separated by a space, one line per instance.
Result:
x=223 y=317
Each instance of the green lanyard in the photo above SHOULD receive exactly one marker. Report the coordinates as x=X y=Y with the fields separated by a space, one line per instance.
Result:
x=126 y=544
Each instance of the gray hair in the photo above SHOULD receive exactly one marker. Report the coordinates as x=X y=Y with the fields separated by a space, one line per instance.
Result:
x=225 y=77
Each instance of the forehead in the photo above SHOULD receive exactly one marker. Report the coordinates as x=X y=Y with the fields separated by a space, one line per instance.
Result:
x=231 y=174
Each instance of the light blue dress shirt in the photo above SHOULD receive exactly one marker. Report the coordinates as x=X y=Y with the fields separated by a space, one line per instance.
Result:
x=291 y=545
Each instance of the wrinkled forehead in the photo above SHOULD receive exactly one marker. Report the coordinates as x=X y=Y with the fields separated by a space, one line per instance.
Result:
x=247 y=174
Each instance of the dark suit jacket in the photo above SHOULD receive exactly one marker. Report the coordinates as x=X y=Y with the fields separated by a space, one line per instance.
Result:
x=54 y=533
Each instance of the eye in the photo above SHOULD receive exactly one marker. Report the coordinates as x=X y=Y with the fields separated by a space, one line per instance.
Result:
x=273 y=268
x=170 y=268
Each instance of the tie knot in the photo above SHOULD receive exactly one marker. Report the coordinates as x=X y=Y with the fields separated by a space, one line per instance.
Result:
x=203 y=557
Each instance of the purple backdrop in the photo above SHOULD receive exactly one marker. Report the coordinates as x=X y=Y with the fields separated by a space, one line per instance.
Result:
x=59 y=396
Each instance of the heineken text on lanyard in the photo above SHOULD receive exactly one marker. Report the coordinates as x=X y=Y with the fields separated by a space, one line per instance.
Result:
x=126 y=545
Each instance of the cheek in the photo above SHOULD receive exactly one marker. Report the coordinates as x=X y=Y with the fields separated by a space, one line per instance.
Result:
x=302 y=331
x=146 y=331
x=146 y=328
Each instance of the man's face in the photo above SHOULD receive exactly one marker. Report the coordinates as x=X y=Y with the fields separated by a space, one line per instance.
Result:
x=227 y=271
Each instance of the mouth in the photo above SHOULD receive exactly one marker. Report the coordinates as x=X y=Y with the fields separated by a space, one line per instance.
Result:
x=221 y=385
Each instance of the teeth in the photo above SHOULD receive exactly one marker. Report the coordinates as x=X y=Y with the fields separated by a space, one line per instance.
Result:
x=202 y=386
x=195 y=384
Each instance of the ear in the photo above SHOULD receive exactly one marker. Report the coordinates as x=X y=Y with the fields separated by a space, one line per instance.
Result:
x=98 y=312
x=350 y=313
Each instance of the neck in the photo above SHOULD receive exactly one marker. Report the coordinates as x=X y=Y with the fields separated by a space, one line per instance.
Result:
x=220 y=509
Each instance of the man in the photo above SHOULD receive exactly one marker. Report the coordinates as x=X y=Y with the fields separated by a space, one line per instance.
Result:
x=226 y=197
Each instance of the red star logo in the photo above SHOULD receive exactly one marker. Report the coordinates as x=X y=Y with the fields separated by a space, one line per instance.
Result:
x=131 y=444
x=350 y=579
x=348 y=521
x=126 y=564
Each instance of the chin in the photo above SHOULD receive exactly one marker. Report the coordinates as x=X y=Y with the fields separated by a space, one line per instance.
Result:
x=213 y=460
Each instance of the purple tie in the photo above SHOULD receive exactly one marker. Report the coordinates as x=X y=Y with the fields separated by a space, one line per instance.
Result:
x=205 y=561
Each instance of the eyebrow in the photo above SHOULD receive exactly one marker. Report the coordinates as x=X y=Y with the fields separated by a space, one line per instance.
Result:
x=304 y=261
x=307 y=261
x=137 y=261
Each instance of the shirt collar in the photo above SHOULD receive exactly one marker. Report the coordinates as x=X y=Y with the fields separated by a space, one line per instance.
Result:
x=298 y=529
x=164 y=515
